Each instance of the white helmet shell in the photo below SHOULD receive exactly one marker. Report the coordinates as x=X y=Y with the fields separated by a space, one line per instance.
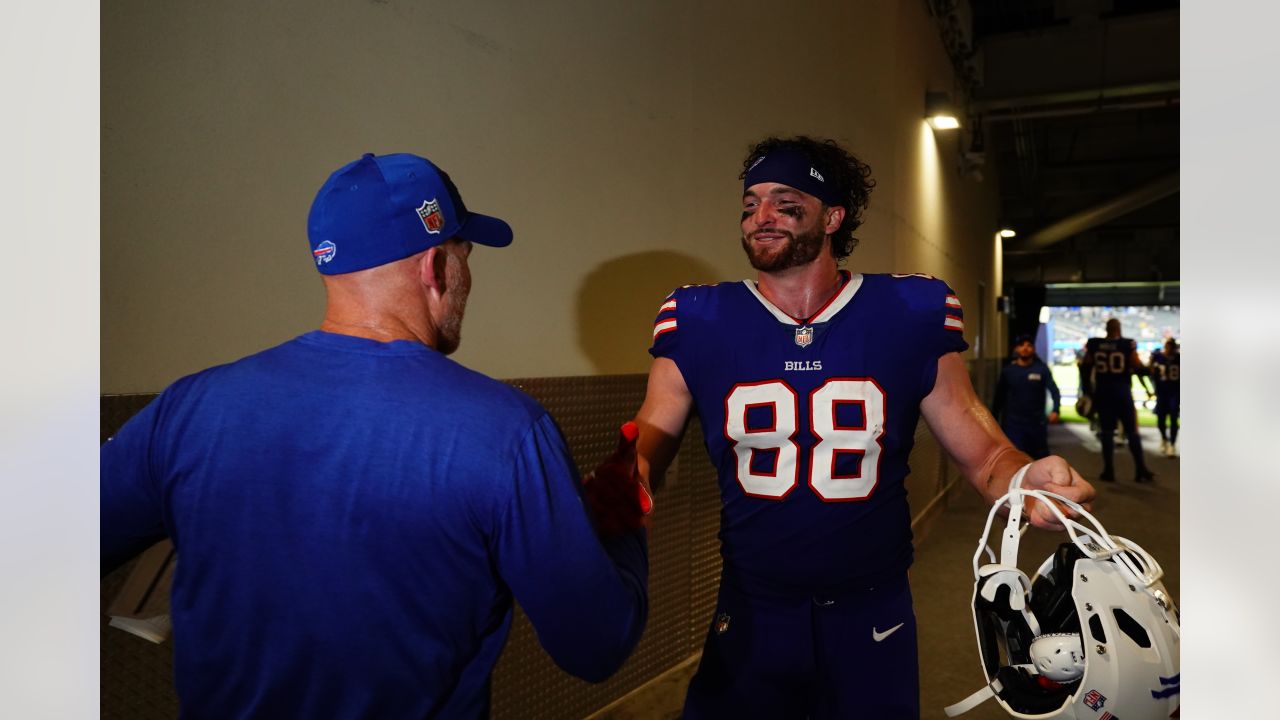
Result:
x=1093 y=632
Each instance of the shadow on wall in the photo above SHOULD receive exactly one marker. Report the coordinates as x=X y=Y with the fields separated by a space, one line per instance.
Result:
x=619 y=299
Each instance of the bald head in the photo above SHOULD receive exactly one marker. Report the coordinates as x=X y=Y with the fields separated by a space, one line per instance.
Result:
x=1113 y=328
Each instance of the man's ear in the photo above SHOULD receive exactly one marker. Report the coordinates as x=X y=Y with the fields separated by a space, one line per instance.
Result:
x=431 y=269
x=834 y=217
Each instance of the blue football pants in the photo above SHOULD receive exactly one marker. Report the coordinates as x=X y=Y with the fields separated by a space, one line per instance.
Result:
x=850 y=656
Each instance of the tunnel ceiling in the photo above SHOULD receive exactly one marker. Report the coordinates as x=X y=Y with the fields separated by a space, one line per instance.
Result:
x=1073 y=111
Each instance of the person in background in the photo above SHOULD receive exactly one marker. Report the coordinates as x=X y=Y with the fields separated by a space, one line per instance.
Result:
x=1165 y=366
x=353 y=511
x=1113 y=360
x=1020 y=399
x=1084 y=396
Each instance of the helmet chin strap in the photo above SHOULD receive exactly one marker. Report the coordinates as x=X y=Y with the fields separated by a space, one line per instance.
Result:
x=1013 y=529
x=986 y=693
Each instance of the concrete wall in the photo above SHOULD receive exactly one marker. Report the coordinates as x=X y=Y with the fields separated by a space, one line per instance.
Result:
x=609 y=134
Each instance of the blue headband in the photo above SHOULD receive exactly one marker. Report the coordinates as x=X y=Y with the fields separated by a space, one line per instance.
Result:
x=792 y=168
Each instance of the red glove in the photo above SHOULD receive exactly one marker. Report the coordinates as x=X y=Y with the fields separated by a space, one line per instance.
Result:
x=619 y=501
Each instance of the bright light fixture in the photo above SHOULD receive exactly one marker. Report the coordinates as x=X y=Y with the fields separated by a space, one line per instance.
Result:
x=1008 y=232
x=940 y=111
x=944 y=122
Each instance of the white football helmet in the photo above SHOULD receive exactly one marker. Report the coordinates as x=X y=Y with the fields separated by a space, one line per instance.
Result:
x=1093 y=634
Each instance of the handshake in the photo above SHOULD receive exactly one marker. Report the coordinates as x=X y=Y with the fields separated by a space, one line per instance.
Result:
x=618 y=498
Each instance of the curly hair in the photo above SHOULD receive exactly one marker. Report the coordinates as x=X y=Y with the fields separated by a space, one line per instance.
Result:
x=850 y=176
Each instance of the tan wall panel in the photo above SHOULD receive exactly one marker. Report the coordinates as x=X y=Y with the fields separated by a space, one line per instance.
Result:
x=610 y=135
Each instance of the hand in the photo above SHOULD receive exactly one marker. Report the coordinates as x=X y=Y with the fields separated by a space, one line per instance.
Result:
x=1054 y=475
x=619 y=500
x=1053 y=418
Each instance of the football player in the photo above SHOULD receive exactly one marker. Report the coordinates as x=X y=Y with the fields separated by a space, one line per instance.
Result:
x=808 y=381
x=1114 y=361
x=1166 y=368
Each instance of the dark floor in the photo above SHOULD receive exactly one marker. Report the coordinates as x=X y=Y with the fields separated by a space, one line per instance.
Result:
x=942 y=578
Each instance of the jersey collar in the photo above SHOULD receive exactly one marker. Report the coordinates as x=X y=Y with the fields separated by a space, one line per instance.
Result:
x=828 y=311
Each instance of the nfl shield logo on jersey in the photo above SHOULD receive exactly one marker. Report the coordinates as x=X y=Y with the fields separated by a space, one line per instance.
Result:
x=722 y=624
x=804 y=336
x=432 y=218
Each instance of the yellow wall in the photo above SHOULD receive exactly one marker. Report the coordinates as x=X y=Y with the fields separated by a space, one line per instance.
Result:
x=609 y=134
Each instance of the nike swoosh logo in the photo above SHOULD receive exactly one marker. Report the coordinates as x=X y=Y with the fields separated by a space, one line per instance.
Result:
x=878 y=636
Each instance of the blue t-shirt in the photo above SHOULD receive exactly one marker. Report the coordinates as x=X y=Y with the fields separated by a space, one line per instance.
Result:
x=810 y=423
x=352 y=519
x=1020 y=393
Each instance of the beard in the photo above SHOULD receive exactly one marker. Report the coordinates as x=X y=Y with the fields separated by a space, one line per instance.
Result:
x=449 y=336
x=798 y=250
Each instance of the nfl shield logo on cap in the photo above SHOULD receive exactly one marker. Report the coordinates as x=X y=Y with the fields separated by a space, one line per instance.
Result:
x=432 y=218
x=804 y=336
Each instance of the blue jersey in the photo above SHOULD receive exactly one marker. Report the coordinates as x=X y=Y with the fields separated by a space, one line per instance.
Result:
x=1167 y=370
x=810 y=424
x=352 y=519
x=1112 y=370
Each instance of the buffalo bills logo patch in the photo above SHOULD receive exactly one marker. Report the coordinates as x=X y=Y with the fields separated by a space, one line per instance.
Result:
x=1095 y=700
x=324 y=252
x=804 y=336
x=432 y=217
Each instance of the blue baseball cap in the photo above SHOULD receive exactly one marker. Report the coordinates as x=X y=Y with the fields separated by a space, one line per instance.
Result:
x=383 y=208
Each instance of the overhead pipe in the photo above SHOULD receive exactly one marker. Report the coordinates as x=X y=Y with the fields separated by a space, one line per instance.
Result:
x=1078 y=102
x=996 y=116
x=1116 y=207
x=1095 y=95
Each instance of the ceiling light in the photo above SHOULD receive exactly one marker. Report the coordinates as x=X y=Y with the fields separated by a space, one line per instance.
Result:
x=1008 y=232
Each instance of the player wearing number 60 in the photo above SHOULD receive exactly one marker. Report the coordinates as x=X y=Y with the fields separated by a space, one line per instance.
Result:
x=809 y=382
x=1113 y=361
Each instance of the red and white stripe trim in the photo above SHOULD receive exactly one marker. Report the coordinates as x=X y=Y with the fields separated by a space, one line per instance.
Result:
x=664 y=326
x=953 y=301
x=668 y=305
x=953 y=323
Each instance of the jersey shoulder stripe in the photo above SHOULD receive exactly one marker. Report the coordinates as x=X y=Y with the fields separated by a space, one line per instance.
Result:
x=666 y=320
x=684 y=301
x=930 y=294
